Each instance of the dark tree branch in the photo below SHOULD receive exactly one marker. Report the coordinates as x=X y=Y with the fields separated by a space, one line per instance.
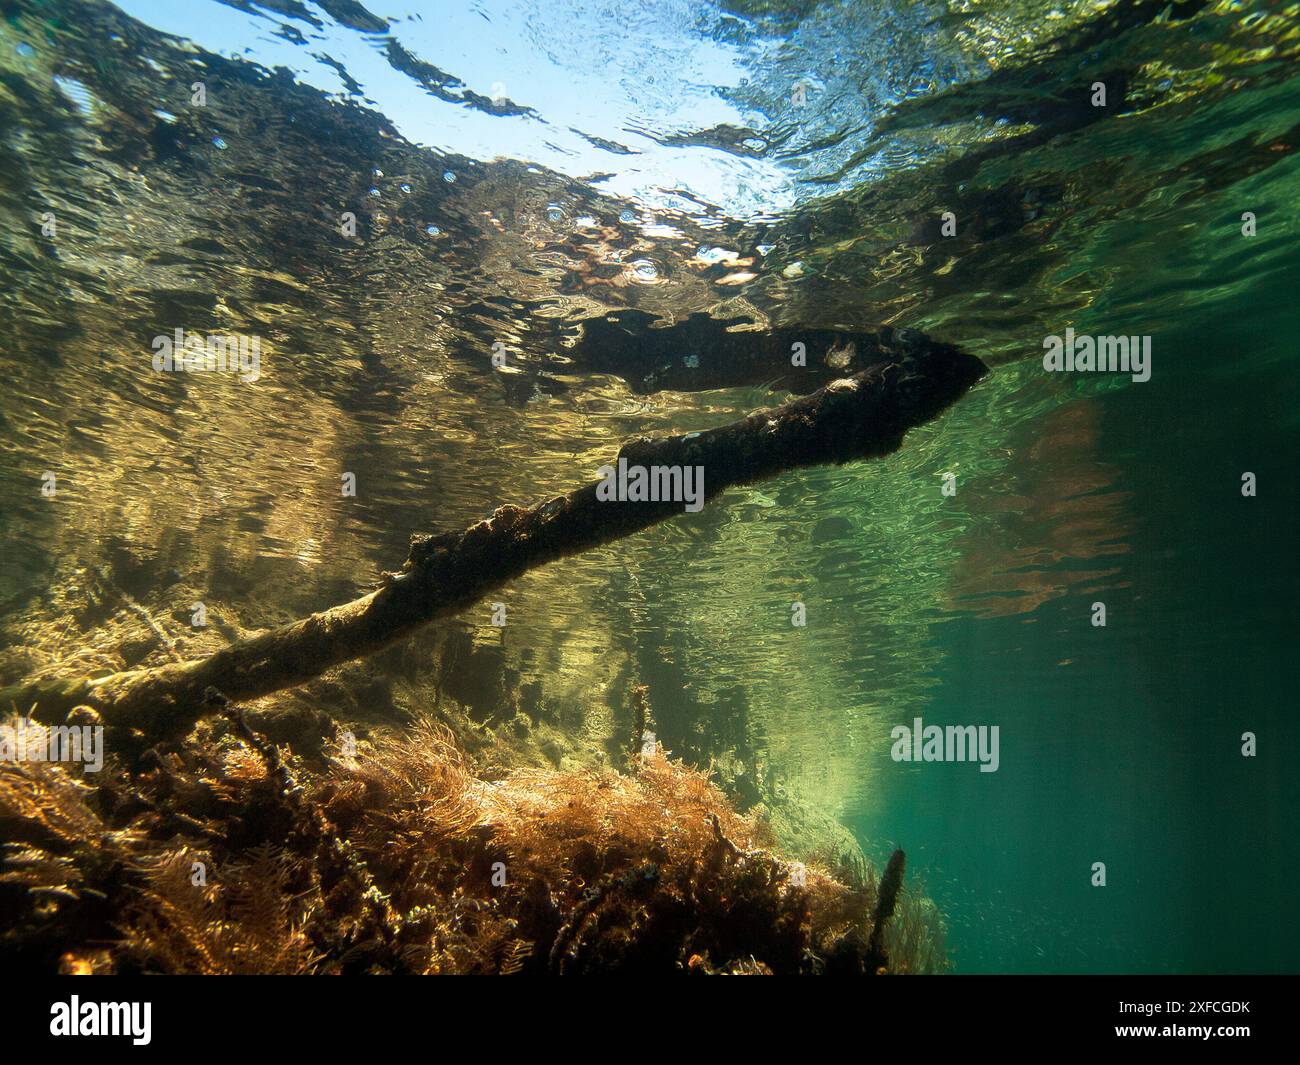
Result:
x=858 y=417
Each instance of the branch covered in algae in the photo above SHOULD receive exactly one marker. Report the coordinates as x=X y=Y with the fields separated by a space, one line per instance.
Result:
x=859 y=417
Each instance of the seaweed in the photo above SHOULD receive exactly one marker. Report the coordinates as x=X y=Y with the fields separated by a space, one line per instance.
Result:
x=231 y=855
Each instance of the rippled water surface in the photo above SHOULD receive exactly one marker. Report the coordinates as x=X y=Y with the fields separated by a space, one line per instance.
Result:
x=381 y=194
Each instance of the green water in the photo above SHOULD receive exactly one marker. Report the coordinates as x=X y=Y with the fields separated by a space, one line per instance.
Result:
x=587 y=183
x=1123 y=744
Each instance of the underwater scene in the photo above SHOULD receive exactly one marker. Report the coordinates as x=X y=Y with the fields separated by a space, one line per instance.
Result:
x=668 y=487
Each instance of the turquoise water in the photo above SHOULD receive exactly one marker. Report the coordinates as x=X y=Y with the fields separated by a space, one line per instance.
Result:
x=1123 y=744
x=518 y=170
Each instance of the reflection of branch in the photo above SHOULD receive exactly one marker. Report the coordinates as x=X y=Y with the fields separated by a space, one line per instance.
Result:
x=859 y=417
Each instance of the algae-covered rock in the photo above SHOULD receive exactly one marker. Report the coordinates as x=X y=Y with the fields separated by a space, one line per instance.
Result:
x=802 y=829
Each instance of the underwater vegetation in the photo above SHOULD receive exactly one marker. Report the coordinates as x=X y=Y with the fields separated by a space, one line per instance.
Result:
x=226 y=855
x=221 y=855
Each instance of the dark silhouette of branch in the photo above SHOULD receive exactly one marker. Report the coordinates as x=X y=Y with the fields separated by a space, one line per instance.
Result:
x=859 y=417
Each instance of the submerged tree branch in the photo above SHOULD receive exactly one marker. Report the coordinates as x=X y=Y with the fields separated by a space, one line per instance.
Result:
x=859 y=417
